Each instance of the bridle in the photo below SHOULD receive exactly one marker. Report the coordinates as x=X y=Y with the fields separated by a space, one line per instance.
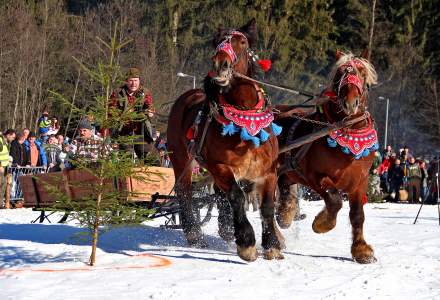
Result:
x=226 y=47
x=350 y=75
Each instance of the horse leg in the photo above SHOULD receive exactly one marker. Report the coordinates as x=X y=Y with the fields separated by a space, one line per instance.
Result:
x=225 y=219
x=243 y=231
x=190 y=225
x=326 y=219
x=288 y=208
x=360 y=250
x=272 y=240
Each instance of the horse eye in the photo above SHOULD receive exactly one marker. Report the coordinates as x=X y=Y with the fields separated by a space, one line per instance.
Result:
x=243 y=42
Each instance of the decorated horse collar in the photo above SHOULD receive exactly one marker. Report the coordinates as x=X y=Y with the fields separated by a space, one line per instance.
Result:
x=357 y=142
x=249 y=122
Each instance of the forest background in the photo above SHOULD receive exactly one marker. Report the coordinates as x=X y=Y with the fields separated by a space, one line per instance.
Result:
x=39 y=38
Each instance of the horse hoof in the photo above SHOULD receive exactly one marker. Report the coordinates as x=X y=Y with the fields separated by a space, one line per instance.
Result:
x=363 y=253
x=322 y=224
x=273 y=253
x=284 y=221
x=247 y=253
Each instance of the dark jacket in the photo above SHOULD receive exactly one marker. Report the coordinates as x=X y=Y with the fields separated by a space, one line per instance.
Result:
x=395 y=175
x=19 y=154
x=53 y=157
x=140 y=101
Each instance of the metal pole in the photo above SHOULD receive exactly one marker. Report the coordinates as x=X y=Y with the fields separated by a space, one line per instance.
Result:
x=194 y=82
x=386 y=125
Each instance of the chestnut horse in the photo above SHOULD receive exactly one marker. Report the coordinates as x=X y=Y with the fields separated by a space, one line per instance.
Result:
x=237 y=166
x=335 y=164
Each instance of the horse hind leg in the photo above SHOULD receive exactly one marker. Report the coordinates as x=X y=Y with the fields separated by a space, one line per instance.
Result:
x=272 y=239
x=360 y=250
x=288 y=208
x=326 y=219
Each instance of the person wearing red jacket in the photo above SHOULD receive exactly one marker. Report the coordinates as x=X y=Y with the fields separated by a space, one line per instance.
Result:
x=133 y=97
x=383 y=173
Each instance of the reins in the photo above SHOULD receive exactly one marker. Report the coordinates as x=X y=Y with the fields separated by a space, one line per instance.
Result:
x=279 y=87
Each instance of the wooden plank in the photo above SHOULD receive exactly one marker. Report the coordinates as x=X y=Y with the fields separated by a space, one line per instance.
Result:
x=77 y=184
x=153 y=180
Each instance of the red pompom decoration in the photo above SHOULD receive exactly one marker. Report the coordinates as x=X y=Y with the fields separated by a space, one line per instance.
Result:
x=364 y=199
x=265 y=64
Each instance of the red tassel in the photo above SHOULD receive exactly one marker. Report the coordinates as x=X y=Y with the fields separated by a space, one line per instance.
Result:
x=265 y=64
x=211 y=74
x=364 y=199
x=190 y=134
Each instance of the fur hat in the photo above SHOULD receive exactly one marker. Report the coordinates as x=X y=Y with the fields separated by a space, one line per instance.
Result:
x=133 y=73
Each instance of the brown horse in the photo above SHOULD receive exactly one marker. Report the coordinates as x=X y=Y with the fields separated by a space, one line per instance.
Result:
x=322 y=165
x=237 y=165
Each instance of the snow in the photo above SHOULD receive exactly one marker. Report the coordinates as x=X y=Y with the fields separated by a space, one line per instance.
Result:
x=315 y=266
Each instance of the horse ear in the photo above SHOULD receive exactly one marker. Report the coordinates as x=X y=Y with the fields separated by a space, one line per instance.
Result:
x=218 y=37
x=338 y=54
x=250 y=29
x=364 y=54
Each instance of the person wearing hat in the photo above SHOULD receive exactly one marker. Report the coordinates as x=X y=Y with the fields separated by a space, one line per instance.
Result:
x=132 y=96
x=44 y=124
x=87 y=145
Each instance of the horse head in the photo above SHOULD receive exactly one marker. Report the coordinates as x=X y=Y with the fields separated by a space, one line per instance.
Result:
x=233 y=53
x=352 y=77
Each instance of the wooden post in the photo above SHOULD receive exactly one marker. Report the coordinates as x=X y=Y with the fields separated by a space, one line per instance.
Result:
x=8 y=191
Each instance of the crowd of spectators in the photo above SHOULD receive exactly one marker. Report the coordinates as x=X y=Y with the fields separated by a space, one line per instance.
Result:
x=400 y=176
x=50 y=151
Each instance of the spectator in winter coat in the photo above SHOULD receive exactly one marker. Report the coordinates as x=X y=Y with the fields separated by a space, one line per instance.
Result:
x=18 y=151
x=4 y=162
x=387 y=151
x=414 y=180
x=132 y=97
x=87 y=146
x=35 y=152
x=54 y=127
x=53 y=154
x=374 y=176
x=395 y=177
x=44 y=124
x=10 y=136
x=424 y=185
x=383 y=173
x=26 y=133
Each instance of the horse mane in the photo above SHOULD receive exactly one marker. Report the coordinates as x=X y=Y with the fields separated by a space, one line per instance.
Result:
x=346 y=57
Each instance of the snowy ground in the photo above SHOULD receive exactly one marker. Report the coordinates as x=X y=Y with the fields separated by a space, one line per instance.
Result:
x=46 y=261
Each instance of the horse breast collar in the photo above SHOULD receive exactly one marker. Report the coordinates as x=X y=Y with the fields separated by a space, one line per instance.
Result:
x=249 y=122
x=358 y=142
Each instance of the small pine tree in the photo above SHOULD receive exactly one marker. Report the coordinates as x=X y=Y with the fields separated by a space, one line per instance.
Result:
x=104 y=205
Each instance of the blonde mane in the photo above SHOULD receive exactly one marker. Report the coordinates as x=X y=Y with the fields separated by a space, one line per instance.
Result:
x=371 y=77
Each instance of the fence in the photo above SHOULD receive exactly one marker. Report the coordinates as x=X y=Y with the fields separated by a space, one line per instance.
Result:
x=13 y=189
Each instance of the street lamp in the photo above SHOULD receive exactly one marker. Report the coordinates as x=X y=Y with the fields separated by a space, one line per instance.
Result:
x=180 y=74
x=386 y=120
